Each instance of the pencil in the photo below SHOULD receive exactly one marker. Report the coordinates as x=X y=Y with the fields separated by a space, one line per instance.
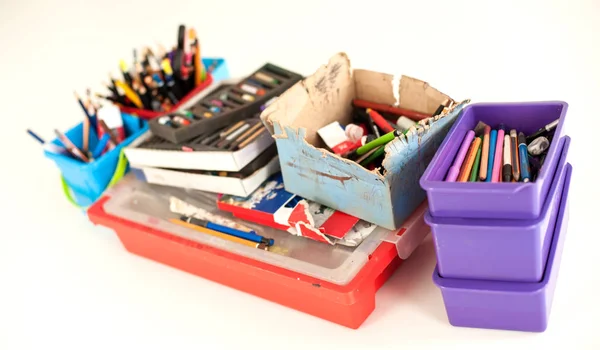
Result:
x=252 y=137
x=465 y=171
x=477 y=164
x=86 y=135
x=130 y=94
x=414 y=115
x=217 y=234
x=245 y=135
x=485 y=154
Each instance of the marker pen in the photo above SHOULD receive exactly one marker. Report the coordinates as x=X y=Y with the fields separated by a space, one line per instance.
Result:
x=525 y=170
x=546 y=129
x=462 y=152
x=514 y=151
x=507 y=168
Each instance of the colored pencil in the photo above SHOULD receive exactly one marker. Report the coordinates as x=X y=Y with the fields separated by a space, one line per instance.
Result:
x=475 y=171
x=217 y=234
x=465 y=171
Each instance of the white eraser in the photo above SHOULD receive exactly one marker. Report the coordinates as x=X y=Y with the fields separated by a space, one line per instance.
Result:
x=332 y=134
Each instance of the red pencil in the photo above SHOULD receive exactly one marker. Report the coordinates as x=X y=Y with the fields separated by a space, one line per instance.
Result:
x=414 y=115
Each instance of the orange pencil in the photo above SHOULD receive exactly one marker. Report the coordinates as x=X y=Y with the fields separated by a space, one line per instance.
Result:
x=465 y=171
x=197 y=58
x=485 y=151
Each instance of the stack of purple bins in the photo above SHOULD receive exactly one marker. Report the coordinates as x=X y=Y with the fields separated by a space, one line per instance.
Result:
x=499 y=245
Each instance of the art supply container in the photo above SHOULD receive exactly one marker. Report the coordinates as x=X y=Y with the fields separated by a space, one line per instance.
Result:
x=335 y=283
x=219 y=72
x=521 y=306
x=494 y=200
x=499 y=249
x=83 y=182
x=310 y=170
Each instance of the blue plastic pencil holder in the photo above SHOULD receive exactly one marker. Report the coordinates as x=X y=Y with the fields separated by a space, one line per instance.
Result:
x=84 y=183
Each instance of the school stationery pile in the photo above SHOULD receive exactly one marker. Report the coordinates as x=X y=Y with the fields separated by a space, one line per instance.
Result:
x=501 y=155
x=159 y=80
x=374 y=125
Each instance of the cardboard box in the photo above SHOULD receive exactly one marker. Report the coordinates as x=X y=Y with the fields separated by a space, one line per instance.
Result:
x=313 y=172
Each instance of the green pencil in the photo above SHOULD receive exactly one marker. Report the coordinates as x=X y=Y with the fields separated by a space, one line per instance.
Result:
x=475 y=169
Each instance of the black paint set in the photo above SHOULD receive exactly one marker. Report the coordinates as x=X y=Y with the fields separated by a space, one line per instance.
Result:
x=225 y=108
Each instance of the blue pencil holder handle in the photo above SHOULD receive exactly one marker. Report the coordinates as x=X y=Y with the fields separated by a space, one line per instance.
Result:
x=84 y=183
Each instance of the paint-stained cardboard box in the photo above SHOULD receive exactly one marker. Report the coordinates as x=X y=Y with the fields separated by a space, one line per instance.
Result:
x=313 y=172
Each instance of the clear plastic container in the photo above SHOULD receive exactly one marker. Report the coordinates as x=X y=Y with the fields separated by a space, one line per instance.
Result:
x=148 y=205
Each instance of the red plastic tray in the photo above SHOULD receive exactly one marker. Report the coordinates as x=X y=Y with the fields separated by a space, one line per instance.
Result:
x=348 y=305
x=147 y=114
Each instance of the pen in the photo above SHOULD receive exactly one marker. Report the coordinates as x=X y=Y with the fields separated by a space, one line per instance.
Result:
x=514 y=151
x=251 y=236
x=460 y=157
x=507 y=168
x=523 y=157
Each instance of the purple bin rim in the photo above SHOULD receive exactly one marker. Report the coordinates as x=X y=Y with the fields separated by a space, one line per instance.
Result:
x=497 y=187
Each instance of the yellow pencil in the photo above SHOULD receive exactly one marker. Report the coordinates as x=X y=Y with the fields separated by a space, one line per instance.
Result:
x=197 y=59
x=217 y=234
x=131 y=95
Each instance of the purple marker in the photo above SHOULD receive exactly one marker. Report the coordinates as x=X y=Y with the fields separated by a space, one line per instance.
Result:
x=460 y=157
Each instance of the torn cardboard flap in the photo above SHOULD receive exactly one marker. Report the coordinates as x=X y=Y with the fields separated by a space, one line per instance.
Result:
x=315 y=173
x=325 y=93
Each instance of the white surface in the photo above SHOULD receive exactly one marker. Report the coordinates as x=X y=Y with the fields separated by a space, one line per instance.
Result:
x=69 y=285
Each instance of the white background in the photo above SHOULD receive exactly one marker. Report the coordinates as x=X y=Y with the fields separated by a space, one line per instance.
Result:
x=67 y=284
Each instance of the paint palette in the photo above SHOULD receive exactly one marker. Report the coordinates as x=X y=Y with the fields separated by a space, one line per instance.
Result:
x=273 y=206
x=227 y=106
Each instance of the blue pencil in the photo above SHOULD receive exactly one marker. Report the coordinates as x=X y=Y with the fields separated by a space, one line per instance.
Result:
x=492 y=151
x=36 y=136
x=250 y=236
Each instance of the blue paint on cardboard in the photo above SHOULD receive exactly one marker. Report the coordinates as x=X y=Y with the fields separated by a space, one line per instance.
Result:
x=321 y=176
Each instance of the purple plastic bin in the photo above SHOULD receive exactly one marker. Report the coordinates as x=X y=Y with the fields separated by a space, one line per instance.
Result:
x=498 y=249
x=516 y=306
x=494 y=200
